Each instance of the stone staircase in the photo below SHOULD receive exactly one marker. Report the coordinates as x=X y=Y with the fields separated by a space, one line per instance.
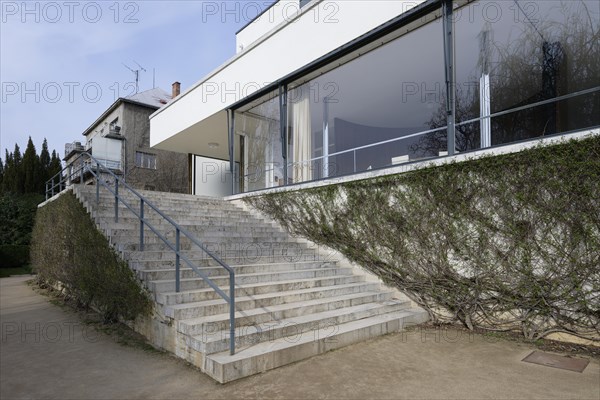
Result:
x=293 y=300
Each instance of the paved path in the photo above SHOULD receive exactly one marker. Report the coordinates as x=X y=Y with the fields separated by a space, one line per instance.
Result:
x=46 y=352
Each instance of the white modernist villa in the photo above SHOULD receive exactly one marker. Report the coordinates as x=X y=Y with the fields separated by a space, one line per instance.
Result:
x=322 y=89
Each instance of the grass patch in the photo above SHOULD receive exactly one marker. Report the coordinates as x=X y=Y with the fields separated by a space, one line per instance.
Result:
x=6 y=272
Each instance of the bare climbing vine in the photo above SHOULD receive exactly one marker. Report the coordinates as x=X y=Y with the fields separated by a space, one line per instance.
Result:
x=500 y=243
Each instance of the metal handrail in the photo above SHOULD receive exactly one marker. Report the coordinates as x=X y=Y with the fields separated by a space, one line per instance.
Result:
x=443 y=128
x=64 y=179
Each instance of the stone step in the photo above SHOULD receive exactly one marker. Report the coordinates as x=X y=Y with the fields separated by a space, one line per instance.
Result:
x=221 y=244
x=316 y=326
x=243 y=303
x=204 y=261
x=217 y=237
x=196 y=230
x=186 y=272
x=90 y=193
x=293 y=300
x=223 y=281
x=178 y=217
x=256 y=316
x=251 y=254
x=170 y=298
x=160 y=197
x=170 y=209
x=275 y=353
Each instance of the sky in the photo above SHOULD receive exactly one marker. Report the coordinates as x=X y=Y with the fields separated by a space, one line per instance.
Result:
x=61 y=62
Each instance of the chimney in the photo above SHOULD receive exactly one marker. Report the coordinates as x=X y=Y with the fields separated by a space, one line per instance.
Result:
x=176 y=90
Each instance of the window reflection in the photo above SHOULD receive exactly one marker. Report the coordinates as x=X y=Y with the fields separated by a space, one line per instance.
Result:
x=527 y=52
x=385 y=94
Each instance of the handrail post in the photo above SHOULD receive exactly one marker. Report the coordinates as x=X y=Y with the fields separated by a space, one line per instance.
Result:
x=52 y=186
x=177 y=250
x=81 y=175
x=97 y=190
x=231 y=313
x=141 y=224
x=116 y=200
x=46 y=190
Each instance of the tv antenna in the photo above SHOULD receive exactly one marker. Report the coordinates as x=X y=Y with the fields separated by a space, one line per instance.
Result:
x=136 y=72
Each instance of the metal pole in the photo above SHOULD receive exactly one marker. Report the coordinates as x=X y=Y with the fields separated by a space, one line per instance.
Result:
x=46 y=190
x=354 y=152
x=283 y=128
x=116 y=200
x=449 y=57
x=231 y=313
x=177 y=250
x=52 y=186
x=97 y=190
x=231 y=121
x=141 y=224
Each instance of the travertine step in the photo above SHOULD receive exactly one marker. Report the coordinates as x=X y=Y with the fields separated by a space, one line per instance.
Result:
x=293 y=300
x=198 y=325
x=317 y=325
x=274 y=353
x=245 y=302
x=168 y=298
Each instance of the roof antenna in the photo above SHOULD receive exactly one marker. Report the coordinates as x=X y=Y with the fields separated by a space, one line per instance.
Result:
x=136 y=72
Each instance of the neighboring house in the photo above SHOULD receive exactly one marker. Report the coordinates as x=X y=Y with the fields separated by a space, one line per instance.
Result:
x=321 y=89
x=120 y=140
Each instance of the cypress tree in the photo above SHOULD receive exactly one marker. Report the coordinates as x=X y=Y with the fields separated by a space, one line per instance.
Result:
x=1 y=174
x=31 y=169
x=8 y=173
x=18 y=176
x=55 y=164
x=44 y=166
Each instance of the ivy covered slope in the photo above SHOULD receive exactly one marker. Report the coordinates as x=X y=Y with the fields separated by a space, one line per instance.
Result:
x=502 y=242
x=67 y=249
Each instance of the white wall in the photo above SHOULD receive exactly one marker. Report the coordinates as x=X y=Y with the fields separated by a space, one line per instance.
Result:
x=318 y=29
x=104 y=124
x=278 y=13
x=106 y=149
x=211 y=177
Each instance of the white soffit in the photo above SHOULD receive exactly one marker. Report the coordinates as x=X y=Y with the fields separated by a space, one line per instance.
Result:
x=315 y=32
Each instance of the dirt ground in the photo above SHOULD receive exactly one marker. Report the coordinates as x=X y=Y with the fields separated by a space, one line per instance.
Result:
x=47 y=352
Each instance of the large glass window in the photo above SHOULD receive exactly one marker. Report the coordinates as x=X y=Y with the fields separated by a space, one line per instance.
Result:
x=524 y=69
x=258 y=146
x=511 y=54
x=395 y=91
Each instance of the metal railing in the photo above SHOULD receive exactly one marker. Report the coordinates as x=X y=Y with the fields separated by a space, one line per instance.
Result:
x=89 y=165
x=307 y=163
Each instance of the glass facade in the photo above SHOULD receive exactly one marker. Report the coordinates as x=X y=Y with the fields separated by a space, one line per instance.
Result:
x=523 y=70
x=514 y=54
x=258 y=144
x=335 y=120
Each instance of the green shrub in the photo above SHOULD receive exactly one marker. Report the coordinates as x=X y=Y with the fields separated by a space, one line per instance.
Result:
x=17 y=213
x=67 y=250
x=13 y=255
x=501 y=242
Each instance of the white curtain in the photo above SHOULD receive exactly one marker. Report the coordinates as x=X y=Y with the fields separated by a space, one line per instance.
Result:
x=301 y=136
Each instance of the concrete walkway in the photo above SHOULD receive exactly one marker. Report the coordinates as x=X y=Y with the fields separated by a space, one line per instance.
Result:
x=46 y=352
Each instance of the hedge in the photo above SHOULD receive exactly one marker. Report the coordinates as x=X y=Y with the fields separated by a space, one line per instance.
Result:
x=68 y=251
